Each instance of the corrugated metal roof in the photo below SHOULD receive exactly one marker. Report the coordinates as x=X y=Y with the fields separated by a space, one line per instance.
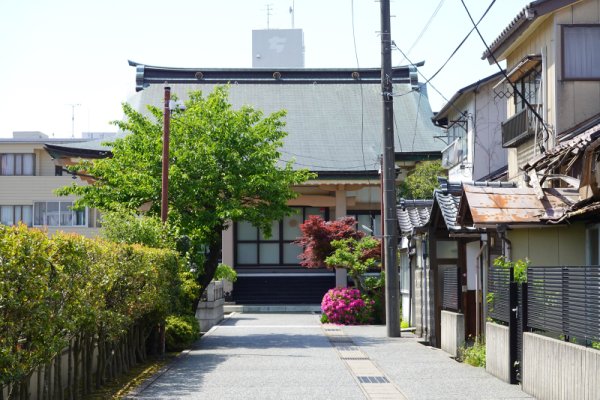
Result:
x=330 y=126
x=490 y=206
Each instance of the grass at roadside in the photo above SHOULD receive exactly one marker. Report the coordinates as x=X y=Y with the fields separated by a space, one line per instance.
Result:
x=123 y=384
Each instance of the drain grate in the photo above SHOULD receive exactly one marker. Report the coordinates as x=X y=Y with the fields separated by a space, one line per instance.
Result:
x=332 y=329
x=355 y=358
x=341 y=343
x=372 y=379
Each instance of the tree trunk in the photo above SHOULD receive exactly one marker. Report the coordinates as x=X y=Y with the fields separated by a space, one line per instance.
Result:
x=47 y=382
x=210 y=265
x=59 y=385
x=74 y=392
x=70 y=369
x=38 y=393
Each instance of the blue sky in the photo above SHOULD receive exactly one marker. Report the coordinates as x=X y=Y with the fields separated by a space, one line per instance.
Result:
x=62 y=52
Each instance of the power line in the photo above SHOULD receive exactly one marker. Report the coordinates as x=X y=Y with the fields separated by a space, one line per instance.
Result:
x=435 y=12
x=362 y=97
x=461 y=43
x=514 y=87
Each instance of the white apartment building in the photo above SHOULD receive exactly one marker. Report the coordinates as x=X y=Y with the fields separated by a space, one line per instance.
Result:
x=28 y=178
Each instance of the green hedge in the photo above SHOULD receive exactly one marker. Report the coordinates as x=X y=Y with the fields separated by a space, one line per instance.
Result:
x=80 y=293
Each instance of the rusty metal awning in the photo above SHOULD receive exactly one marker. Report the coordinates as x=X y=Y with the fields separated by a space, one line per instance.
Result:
x=522 y=68
x=488 y=206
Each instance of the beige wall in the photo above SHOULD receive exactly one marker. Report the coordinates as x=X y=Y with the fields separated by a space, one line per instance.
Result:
x=568 y=103
x=561 y=245
x=25 y=190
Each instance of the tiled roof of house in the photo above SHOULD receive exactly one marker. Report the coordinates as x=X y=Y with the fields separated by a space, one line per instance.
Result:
x=413 y=214
x=334 y=117
x=448 y=205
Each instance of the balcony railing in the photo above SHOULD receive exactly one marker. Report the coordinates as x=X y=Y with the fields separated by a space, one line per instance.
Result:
x=517 y=129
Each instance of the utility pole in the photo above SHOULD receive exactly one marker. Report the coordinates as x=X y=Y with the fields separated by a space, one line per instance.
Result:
x=164 y=205
x=390 y=235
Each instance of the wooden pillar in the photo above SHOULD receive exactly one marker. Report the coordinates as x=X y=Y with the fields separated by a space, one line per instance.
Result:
x=341 y=274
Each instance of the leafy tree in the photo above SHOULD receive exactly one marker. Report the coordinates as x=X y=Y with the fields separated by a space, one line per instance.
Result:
x=356 y=256
x=318 y=235
x=223 y=168
x=422 y=181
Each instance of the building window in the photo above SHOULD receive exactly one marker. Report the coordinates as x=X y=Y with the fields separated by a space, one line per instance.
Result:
x=253 y=248
x=12 y=164
x=58 y=213
x=581 y=52
x=529 y=85
x=367 y=221
x=12 y=215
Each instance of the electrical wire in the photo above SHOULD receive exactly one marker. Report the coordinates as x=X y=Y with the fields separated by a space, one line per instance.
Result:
x=529 y=106
x=315 y=158
x=461 y=43
x=435 y=12
x=362 y=97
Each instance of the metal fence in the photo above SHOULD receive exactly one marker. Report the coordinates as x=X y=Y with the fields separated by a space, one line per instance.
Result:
x=565 y=301
x=498 y=301
x=451 y=289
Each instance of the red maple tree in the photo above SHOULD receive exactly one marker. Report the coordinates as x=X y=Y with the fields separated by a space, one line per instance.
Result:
x=317 y=235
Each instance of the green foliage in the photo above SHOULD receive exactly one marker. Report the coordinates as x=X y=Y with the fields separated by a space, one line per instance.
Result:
x=472 y=354
x=181 y=331
x=126 y=226
x=224 y=271
x=519 y=267
x=422 y=181
x=350 y=254
x=596 y=345
x=52 y=290
x=404 y=324
x=375 y=290
x=224 y=167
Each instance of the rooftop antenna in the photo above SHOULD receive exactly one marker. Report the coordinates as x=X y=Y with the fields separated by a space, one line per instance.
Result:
x=269 y=9
x=292 y=11
x=73 y=118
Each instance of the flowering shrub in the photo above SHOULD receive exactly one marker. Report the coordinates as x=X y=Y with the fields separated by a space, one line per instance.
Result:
x=346 y=306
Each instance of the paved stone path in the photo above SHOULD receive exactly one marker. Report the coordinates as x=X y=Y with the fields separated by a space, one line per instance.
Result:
x=293 y=356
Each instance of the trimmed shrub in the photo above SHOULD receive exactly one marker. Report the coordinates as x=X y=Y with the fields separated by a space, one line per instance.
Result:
x=346 y=306
x=181 y=331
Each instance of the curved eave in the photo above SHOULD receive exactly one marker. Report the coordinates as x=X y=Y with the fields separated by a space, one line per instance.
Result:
x=56 y=152
x=147 y=75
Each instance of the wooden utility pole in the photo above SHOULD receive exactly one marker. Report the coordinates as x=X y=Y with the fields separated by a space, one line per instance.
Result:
x=390 y=236
x=164 y=205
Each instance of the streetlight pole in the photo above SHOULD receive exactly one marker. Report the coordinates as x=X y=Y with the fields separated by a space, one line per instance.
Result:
x=164 y=205
x=390 y=233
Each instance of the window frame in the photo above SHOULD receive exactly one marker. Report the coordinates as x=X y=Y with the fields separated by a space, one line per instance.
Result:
x=563 y=73
x=373 y=214
x=14 y=166
x=14 y=209
x=59 y=214
x=520 y=84
x=280 y=241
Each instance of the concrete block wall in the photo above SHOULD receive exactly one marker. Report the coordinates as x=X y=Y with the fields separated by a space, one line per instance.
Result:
x=452 y=332
x=553 y=369
x=210 y=311
x=497 y=351
x=424 y=308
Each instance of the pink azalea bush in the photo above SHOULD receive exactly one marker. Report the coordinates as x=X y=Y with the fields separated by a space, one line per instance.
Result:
x=346 y=306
